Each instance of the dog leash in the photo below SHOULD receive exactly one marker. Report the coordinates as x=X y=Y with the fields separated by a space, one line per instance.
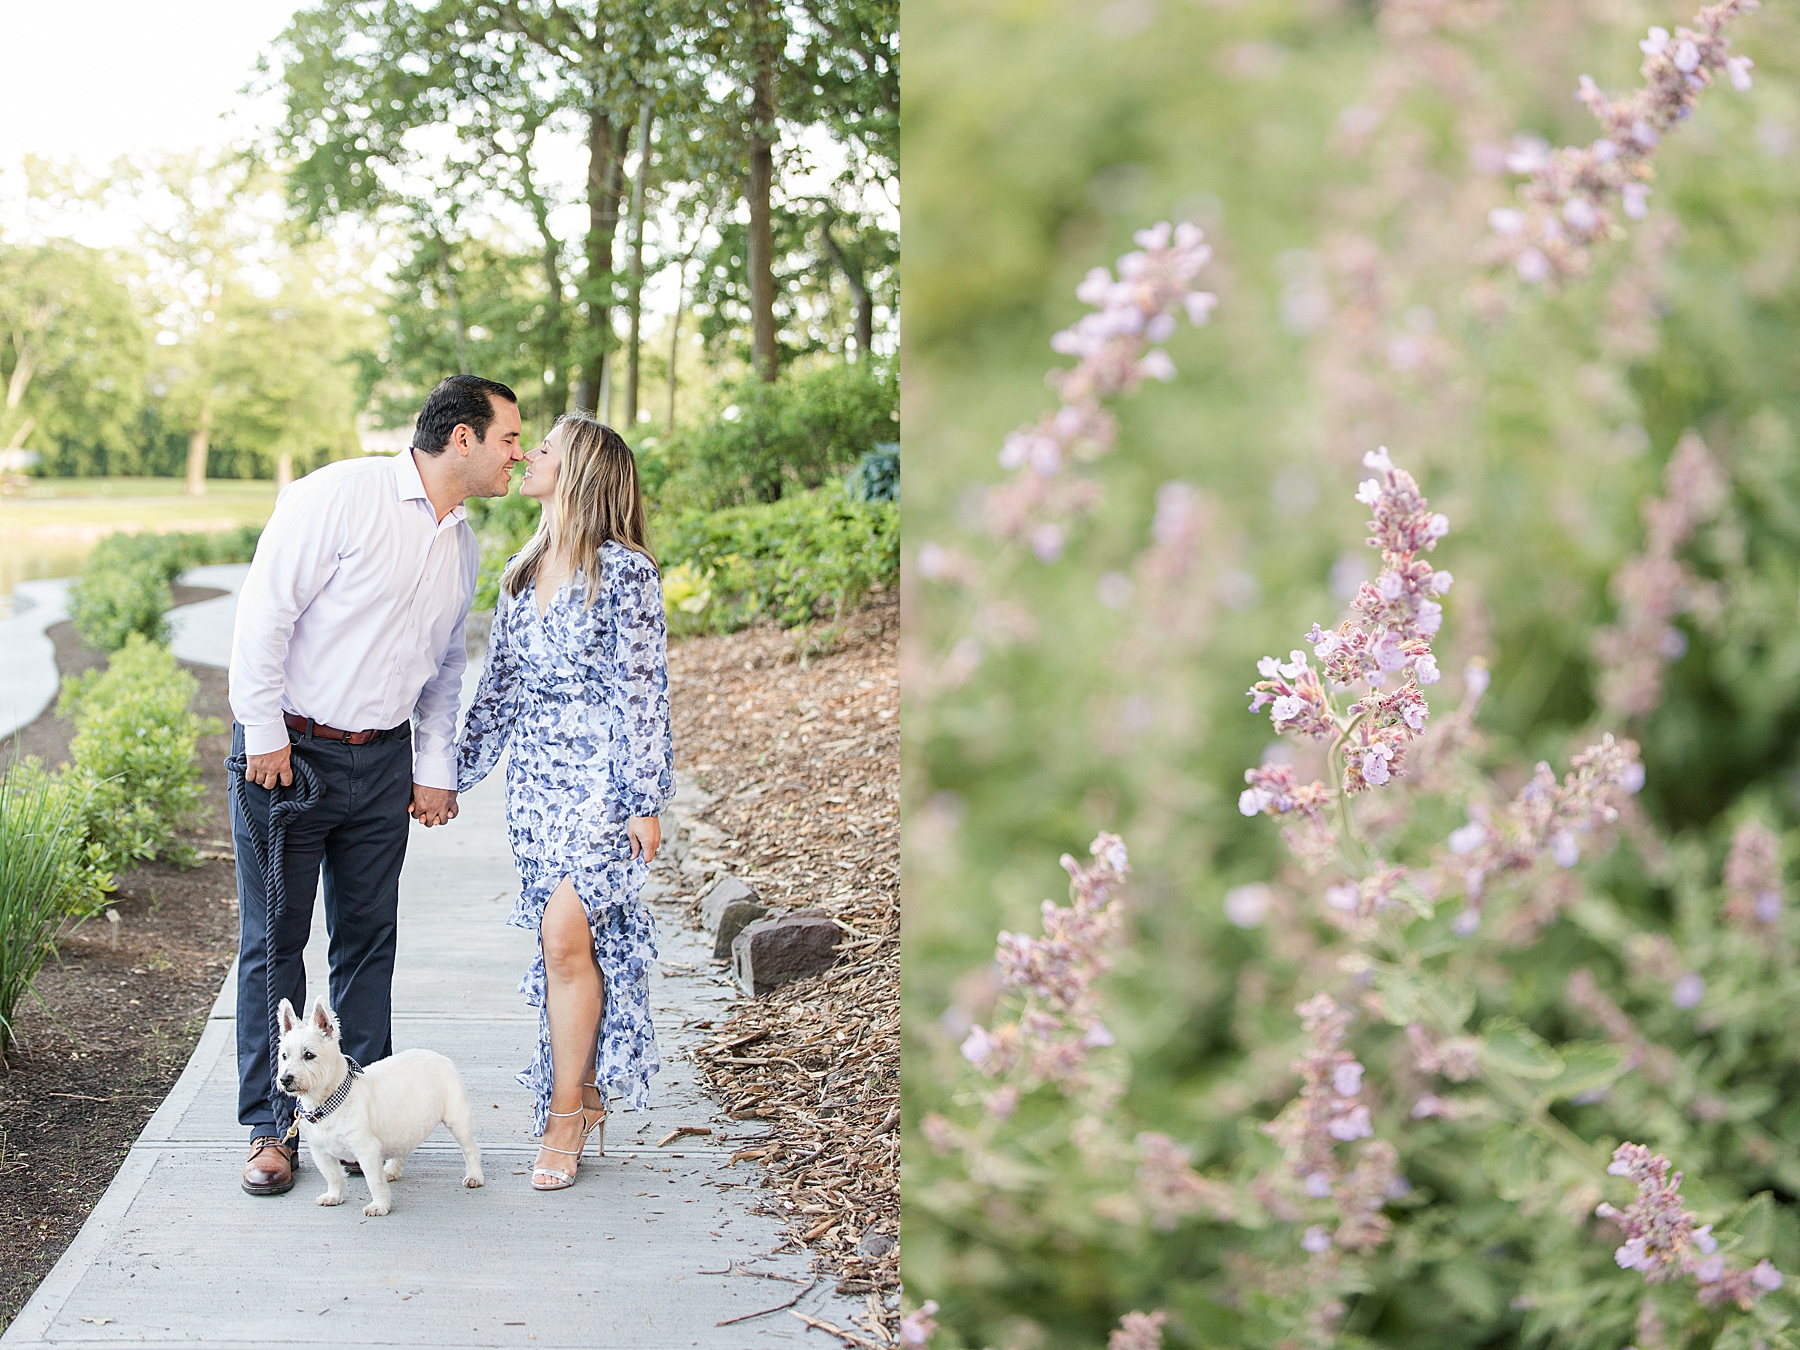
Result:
x=270 y=852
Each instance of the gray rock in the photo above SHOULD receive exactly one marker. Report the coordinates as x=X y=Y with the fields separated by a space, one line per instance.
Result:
x=874 y=1245
x=773 y=952
x=727 y=909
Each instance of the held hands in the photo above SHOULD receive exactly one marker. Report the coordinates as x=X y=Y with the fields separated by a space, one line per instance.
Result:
x=267 y=770
x=432 y=806
x=645 y=833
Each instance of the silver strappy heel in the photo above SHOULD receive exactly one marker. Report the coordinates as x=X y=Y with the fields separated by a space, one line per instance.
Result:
x=558 y=1180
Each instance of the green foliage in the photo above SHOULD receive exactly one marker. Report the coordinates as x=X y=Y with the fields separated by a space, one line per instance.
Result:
x=46 y=875
x=135 y=753
x=73 y=353
x=1035 y=150
x=766 y=440
x=501 y=525
x=124 y=585
x=805 y=557
x=876 y=478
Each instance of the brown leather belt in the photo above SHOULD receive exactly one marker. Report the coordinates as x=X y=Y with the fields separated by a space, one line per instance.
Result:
x=298 y=723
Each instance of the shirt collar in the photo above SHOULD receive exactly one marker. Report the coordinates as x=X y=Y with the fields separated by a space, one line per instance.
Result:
x=408 y=486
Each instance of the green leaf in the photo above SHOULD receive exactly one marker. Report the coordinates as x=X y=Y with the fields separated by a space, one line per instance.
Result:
x=1510 y=1047
x=1514 y=1162
x=1587 y=1067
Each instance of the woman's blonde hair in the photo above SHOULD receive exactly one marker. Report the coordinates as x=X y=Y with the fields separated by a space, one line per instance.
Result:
x=597 y=498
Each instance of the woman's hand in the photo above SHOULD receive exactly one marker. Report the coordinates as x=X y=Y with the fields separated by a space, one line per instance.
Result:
x=645 y=833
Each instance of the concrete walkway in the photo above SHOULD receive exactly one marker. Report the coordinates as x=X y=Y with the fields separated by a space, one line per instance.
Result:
x=28 y=677
x=201 y=632
x=652 y=1247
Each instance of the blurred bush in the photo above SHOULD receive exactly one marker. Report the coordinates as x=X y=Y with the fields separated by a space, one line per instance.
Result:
x=135 y=759
x=124 y=584
x=809 y=556
x=763 y=441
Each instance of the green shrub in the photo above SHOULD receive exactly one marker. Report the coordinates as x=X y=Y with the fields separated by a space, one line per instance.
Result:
x=110 y=605
x=501 y=525
x=46 y=874
x=124 y=585
x=135 y=753
x=766 y=441
x=876 y=477
x=795 y=560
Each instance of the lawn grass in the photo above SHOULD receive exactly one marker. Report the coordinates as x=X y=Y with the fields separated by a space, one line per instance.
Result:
x=47 y=529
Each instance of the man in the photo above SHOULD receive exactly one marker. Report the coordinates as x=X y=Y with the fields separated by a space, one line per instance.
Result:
x=349 y=629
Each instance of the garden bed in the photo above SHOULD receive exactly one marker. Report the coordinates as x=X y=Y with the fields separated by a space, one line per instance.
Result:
x=803 y=765
x=123 y=1006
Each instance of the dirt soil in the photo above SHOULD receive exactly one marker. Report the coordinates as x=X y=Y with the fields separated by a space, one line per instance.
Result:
x=121 y=1010
x=803 y=761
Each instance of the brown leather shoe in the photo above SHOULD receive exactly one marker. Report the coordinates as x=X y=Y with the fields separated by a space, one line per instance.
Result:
x=270 y=1168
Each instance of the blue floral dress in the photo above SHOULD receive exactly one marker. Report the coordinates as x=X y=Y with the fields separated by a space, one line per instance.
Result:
x=582 y=693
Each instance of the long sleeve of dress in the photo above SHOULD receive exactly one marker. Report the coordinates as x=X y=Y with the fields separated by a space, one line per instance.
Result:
x=495 y=709
x=642 y=766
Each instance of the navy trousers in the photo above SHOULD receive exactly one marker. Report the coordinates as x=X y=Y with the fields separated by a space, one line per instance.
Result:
x=356 y=837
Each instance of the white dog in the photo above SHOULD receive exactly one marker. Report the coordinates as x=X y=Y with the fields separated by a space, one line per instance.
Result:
x=377 y=1115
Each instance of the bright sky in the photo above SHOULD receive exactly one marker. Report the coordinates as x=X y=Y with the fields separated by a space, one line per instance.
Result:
x=95 y=79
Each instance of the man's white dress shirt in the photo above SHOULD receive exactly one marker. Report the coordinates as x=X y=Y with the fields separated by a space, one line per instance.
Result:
x=353 y=612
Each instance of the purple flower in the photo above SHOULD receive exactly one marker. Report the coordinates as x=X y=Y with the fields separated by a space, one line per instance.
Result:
x=1316 y=1240
x=1636 y=200
x=1688 y=991
x=1765 y=1277
x=1565 y=849
x=1318 y=1185
x=1738 y=67
x=1346 y=1079
x=1353 y=1124
x=1656 y=44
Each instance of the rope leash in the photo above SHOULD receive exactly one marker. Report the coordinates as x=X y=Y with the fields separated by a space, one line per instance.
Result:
x=270 y=851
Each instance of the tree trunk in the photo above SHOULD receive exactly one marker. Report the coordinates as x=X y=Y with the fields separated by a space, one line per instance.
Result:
x=675 y=337
x=637 y=263
x=761 y=248
x=606 y=148
x=865 y=305
x=198 y=444
x=284 y=470
x=456 y=314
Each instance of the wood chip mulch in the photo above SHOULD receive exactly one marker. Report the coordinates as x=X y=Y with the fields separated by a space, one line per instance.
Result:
x=801 y=757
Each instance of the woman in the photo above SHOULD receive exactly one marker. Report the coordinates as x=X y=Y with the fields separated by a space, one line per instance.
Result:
x=577 y=679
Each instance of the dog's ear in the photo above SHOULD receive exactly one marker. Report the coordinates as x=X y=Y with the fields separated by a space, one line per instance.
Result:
x=288 y=1017
x=323 y=1019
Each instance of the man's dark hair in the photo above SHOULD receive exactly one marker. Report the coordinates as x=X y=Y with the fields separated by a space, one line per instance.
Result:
x=458 y=400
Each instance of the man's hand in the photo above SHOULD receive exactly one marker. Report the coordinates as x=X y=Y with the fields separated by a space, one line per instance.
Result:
x=267 y=770
x=645 y=833
x=432 y=806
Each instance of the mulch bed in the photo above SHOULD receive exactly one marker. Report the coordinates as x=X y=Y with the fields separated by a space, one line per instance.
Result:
x=122 y=1008
x=803 y=762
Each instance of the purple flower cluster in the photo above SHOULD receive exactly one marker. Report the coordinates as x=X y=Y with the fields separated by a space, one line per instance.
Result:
x=1546 y=818
x=1395 y=617
x=1327 y=1112
x=1117 y=349
x=1654 y=587
x=1171 y=1188
x=1753 y=877
x=1568 y=200
x=1662 y=1242
x=1138 y=1331
x=917 y=1327
x=1060 y=1022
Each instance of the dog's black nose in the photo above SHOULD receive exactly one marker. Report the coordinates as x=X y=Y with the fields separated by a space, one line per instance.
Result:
x=287 y=1080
